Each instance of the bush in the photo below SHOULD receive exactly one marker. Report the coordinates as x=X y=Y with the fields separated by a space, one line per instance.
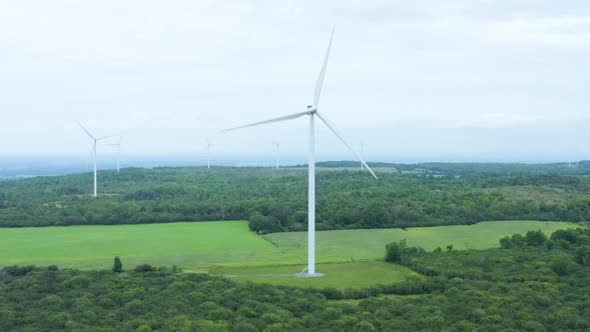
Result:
x=506 y=243
x=517 y=240
x=393 y=252
x=535 y=238
x=398 y=252
x=18 y=271
x=332 y=293
x=144 y=268
x=568 y=235
x=117 y=265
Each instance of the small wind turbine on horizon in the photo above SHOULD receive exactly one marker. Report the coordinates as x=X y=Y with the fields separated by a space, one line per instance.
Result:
x=312 y=111
x=94 y=139
x=118 y=145
x=208 y=146
x=277 y=147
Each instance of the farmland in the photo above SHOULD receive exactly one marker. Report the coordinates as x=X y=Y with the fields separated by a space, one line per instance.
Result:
x=229 y=247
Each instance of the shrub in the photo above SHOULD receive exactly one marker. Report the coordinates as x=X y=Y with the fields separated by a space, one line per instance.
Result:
x=144 y=268
x=117 y=265
x=535 y=238
x=506 y=243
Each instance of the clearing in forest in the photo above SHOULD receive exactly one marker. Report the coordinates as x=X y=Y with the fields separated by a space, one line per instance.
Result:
x=201 y=245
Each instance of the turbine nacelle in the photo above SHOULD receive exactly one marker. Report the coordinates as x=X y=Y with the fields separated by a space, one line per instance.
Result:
x=311 y=110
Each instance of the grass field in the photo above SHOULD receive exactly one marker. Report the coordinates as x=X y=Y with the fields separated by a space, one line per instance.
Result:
x=201 y=245
x=93 y=247
x=337 y=275
x=369 y=244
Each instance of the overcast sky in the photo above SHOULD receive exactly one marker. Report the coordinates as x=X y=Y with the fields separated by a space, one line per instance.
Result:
x=413 y=80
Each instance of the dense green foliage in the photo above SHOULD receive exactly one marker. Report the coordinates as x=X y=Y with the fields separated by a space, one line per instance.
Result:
x=528 y=288
x=276 y=200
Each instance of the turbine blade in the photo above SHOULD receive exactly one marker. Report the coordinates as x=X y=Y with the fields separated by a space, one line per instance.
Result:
x=87 y=132
x=343 y=141
x=320 y=81
x=104 y=137
x=283 y=118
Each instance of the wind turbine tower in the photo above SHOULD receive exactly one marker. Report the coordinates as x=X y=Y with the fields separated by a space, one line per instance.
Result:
x=312 y=112
x=277 y=150
x=118 y=145
x=208 y=146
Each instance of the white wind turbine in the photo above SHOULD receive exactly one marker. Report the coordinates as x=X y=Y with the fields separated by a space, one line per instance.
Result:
x=118 y=145
x=312 y=112
x=277 y=146
x=94 y=139
x=208 y=146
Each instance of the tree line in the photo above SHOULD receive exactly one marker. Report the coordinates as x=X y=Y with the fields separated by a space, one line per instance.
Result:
x=276 y=200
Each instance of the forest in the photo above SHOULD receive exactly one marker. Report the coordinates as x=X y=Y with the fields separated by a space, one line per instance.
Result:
x=276 y=200
x=530 y=283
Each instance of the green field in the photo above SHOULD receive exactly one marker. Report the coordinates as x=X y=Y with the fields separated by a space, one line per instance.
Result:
x=369 y=244
x=93 y=247
x=337 y=275
x=201 y=245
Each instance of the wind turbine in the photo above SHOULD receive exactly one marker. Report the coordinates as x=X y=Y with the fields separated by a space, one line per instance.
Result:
x=277 y=145
x=118 y=145
x=312 y=111
x=94 y=139
x=208 y=146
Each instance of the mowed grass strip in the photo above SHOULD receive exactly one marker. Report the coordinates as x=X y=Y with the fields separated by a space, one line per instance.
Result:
x=337 y=275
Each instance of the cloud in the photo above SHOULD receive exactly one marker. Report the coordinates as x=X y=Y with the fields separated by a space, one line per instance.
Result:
x=163 y=67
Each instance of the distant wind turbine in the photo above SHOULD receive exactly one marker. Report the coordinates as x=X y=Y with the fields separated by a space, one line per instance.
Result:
x=312 y=112
x=277 y=146
x=208 y=146
x=94 y=139
x=118 y=145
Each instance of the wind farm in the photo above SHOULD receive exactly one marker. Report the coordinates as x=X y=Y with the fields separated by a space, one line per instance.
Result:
x=451 y=192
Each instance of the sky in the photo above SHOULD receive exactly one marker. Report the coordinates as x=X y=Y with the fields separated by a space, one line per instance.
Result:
x=423 y=80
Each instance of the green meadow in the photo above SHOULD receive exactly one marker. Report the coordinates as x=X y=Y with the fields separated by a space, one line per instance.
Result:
x=336 y=275
x=369 y=244
x=93 y=247
x=230 y=243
